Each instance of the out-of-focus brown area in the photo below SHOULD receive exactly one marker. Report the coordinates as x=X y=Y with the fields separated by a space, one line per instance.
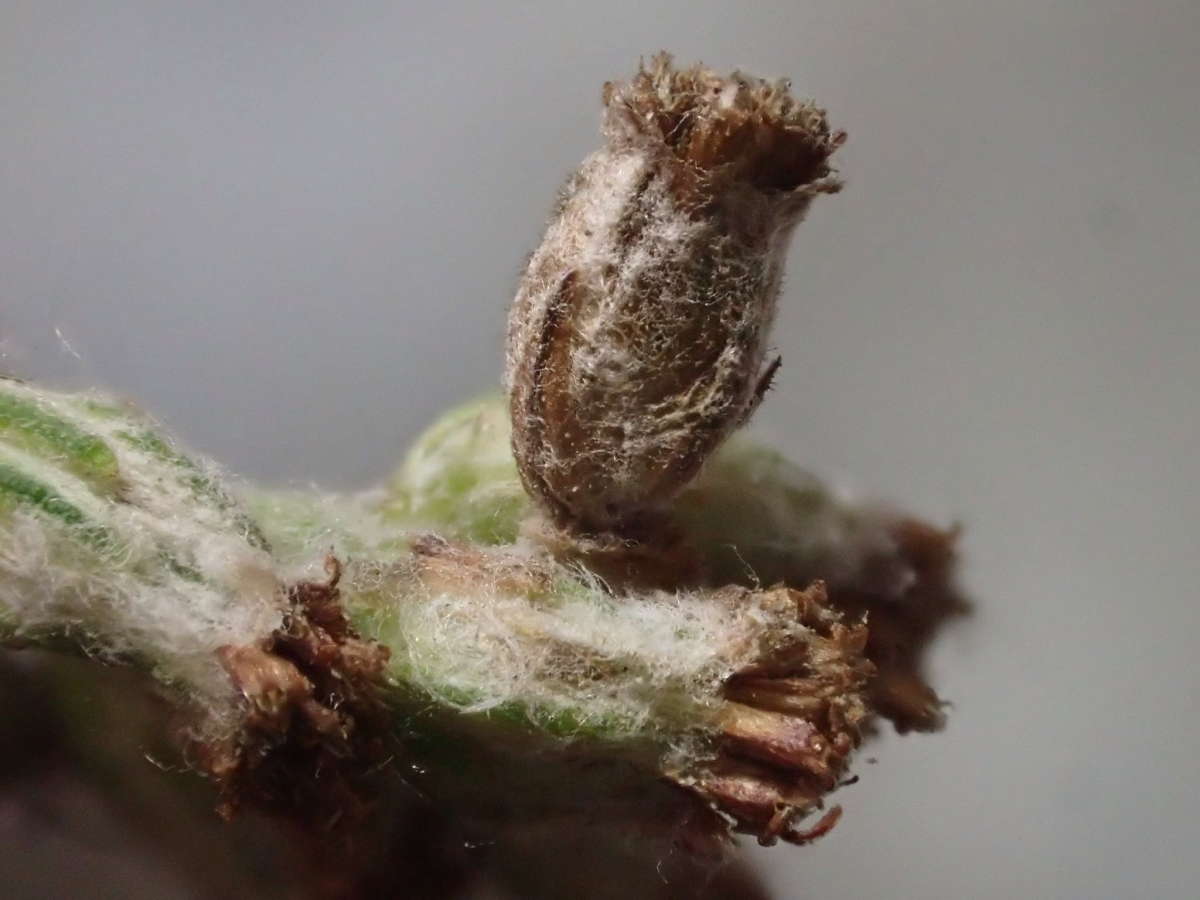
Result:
x=901 y=625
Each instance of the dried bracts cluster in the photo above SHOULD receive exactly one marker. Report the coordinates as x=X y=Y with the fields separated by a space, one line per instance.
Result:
x=788 y=725
x=314 y=722
x=637 y=341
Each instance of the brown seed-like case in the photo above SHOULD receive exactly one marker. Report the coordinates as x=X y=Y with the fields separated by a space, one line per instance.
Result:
x=637 y=339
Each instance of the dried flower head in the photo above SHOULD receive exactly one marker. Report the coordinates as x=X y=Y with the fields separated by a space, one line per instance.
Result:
x=637 y=340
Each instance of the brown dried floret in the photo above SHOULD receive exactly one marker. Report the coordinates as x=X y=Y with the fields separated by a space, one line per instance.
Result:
x=904 y=621
x=735 y=127
x=313 y=722
x=788 y=727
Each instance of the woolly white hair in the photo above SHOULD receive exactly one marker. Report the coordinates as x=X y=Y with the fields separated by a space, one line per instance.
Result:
x=569 y=657
x=157 y=563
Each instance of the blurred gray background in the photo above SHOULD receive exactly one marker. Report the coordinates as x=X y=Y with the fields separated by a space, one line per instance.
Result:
x=291 y=230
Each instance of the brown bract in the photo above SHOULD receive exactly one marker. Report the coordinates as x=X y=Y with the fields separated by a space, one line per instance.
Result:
x=637 y=339
x=313 y=722
x=903 y=625
x=788 y=726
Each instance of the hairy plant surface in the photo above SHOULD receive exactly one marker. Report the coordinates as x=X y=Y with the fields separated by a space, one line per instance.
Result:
x=580 y=604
